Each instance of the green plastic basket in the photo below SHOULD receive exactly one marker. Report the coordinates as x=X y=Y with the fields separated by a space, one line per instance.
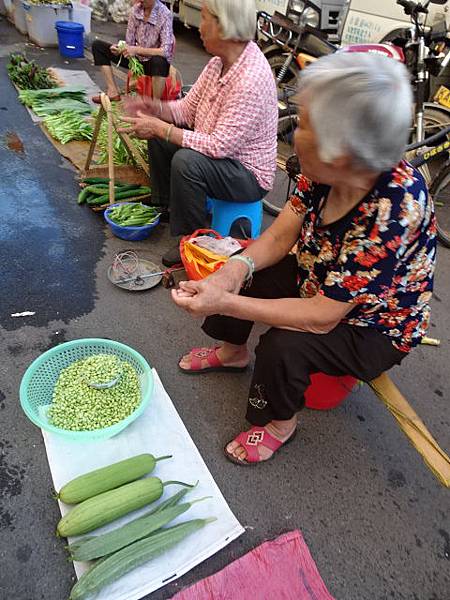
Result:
x=39 y=380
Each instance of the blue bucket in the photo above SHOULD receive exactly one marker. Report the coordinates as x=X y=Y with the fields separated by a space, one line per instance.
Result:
x=70 y=38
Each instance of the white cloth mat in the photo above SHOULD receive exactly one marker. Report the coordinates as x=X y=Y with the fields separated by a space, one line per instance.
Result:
x=159 y=431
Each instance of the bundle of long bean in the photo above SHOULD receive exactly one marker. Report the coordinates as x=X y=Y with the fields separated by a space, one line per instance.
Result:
x=68 y=126
x=120 y=155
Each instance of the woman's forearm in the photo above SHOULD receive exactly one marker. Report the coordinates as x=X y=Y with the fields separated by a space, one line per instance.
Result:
x=141 y=51
x=315 y=315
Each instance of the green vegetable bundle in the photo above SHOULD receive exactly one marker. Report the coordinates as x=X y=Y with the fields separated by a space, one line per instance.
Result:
x=31 y=97
x=134 y=64
x=120 y=153
x=27 y=75
x=134 y=215
x=47 y=102
x=68 y=126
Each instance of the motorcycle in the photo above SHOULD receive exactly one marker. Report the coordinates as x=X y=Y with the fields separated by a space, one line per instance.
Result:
x=290 y=45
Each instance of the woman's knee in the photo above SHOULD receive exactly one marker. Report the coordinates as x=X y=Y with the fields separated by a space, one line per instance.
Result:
x=185 y=162
x=280 y=345
x=159 y=66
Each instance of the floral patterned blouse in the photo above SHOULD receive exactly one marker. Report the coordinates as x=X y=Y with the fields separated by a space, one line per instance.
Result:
x=380 y=256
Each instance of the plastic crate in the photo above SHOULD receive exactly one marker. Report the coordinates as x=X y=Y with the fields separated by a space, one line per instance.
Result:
x=82 y=14
x=19 y=17
x=41 y=22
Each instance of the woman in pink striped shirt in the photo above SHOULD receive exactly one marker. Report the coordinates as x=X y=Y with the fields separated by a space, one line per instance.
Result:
x=221 y=139
x=149 y=38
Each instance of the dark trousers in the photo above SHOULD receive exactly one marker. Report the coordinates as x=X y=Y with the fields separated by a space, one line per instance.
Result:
x=183 y=178
x=157 y=66
x=285 y=360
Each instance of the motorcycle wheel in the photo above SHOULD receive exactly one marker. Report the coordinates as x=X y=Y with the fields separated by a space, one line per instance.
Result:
x=276 y=61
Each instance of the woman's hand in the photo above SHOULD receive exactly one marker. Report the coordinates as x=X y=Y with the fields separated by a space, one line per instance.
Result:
x=130 y=51
x=208 y=296
x=145 y=126
x=115 y=50
x=199 y=298
x=132 y=105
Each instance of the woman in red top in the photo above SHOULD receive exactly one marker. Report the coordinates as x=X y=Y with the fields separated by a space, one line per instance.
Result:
x=149 y=37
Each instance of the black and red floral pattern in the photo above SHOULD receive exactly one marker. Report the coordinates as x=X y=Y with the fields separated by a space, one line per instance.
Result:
x=380 y=256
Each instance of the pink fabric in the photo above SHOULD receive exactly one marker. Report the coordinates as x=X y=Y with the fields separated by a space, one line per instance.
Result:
x=282 y=569
x=157 y=32
x=254 y=437
x=234 y=116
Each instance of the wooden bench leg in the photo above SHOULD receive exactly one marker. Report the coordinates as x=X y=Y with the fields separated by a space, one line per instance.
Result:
x=413 y=427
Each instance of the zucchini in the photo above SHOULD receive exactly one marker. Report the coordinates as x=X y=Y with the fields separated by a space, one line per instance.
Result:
x=107 y=478
x=83 y=195
x=112 y=541
x=113 y=567
x=136 y=192
x=109 y=506
x=94 y=180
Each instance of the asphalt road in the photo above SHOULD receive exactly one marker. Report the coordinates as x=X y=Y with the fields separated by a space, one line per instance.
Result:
x=374 y=517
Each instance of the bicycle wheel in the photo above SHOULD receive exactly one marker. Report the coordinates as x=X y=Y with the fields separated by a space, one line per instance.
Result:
x=287 y=123
x=434 y=121
x=440 y=192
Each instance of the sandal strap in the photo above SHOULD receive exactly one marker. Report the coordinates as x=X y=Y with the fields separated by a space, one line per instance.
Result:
x=251 y=439
x=198 y=354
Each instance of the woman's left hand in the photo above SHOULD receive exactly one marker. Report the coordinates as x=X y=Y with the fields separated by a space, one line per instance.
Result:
x=200 y=299
x=144 y=126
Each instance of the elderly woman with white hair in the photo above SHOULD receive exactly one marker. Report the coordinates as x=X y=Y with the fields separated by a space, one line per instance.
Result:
x=354 y=297
x=221 y=139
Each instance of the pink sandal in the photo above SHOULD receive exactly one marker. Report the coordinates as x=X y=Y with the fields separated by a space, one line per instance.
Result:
x=210 y=354
x=250 y=440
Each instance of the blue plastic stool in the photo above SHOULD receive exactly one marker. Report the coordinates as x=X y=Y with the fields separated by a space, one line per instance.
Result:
x=225 y=213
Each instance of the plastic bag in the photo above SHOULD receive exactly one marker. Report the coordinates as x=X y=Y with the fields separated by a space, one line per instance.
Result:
x=200 y=262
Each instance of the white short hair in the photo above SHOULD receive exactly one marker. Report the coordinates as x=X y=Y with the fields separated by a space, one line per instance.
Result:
x=237 y=18
x=359 y=104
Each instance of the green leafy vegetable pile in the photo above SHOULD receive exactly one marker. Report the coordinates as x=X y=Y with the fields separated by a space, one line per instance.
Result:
x=120 y=155
x=27 y=75
x=68 y=126
x=55 y=100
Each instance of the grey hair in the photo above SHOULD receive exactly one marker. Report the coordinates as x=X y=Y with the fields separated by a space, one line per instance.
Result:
x=237 y=18
x=359 y=104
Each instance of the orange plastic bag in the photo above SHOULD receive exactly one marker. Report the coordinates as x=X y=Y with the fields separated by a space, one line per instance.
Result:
x=199 y=262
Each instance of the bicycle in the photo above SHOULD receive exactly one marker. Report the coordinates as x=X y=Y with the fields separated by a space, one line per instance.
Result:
x=435 y=148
